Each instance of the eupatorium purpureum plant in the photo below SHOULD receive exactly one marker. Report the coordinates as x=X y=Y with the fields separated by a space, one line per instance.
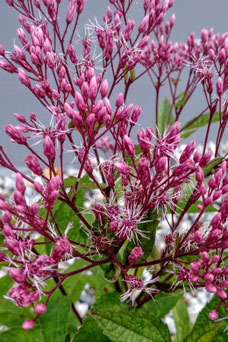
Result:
x=103 y=226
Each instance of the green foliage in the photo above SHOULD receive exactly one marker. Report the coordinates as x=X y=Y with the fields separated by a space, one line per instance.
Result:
x=204 y=333
x=163 y=115
x=127 y=326
x=201 y=121
x=84 y=183
x=90 y=331
x=182 y=101
x=182 y=322
x=54 y=322
x=204 y=319
x=161 y=304
x=209 y=169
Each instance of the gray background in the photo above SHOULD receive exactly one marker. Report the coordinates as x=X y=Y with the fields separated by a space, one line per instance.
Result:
x=191 y=15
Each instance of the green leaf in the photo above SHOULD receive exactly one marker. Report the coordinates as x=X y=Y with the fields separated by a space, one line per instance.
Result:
x=126 y=326
x=182 y=101
x=149 y=228
x=204 y=319
x=193 y=208
x=74 y=285
x=5 y=284
x=161 y=305
x=163 y=115
x=207 y=170
x=204 y=333
x=200 y=121
x=109 y=301
x=90 y=331
x=11 y=316
x=182 y=322
x=54 y=322
x=187 y=134
x=84 y=183
x=21 y=335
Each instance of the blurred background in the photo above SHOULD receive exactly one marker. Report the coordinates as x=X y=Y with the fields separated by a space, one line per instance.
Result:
x=190 y=16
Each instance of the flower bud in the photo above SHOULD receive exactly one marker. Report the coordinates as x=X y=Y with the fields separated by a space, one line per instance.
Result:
x=142 y=25
x=211 y=288
x=160 y=165
x=20 y=185
x=38 y=187
x=205 y=159
x=122 y=168
x=119 y=100
x=213 y=315
x=113 y=226
x=135 y=254
x=221 y=294
x=104 y=89
x=17 y=275
x=128 y=146
x=29 y=324
x=49 y=148
x=40 y=309
x=205 y=257
x=187 y=151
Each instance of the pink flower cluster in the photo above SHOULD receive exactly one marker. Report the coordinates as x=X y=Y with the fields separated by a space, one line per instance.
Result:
x=134 y=181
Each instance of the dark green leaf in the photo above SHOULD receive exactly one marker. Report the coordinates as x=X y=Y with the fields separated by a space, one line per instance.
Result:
x=54 y=322
x=161 y=305
x=204 y=333
x=109 y=301
x=126 y=326
x=90 y=331
x=182 y=322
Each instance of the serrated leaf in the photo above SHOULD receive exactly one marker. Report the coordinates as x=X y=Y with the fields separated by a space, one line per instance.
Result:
x=200 y=122
x=109 y=301
x=90 y=331
x=54 y=322
x=181 y=319
x=204 y=333
x=161 y=305
x=163 y=115
x=126 y=326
